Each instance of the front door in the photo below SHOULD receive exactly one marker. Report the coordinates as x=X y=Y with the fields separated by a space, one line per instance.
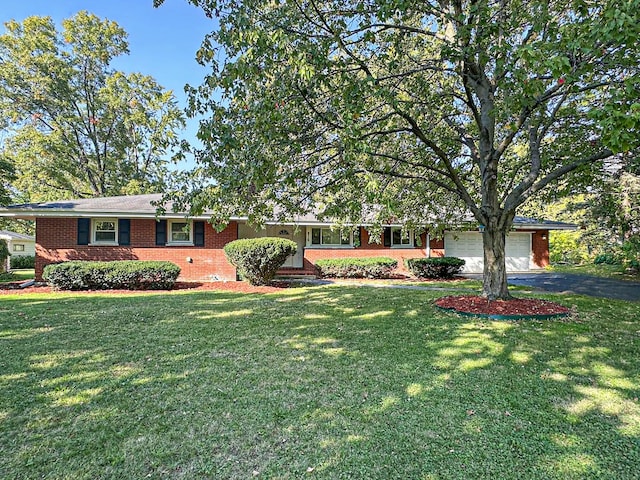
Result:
x=289 y=232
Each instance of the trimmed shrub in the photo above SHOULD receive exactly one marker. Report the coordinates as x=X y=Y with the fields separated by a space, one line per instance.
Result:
x=436 y=267
x=373 y=267
x=626 y=255
x=258 y=259
x=126 y=274
x=608 y=258
x=23 y=261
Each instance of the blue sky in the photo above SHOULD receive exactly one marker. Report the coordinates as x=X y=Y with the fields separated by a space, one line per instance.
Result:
x=162 y=41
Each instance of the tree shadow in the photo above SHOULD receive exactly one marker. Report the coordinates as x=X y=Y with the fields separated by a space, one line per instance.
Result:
x=350 y=382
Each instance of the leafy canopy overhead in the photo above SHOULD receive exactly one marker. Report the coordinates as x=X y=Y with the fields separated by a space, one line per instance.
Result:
x=7 y=174
x=423 y=109
x=74 y=127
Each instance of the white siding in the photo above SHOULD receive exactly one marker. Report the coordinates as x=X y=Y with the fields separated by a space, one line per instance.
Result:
x=29 y=248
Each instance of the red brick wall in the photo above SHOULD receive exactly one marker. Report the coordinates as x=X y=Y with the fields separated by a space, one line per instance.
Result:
x=56 y=242
x=436 y=247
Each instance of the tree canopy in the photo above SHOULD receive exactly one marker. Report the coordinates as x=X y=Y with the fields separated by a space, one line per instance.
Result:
x=412 y=111
x=75 y=127
x=7 y=174
x=608 y=216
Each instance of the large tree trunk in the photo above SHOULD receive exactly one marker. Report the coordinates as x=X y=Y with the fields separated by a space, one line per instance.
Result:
x=494 y=286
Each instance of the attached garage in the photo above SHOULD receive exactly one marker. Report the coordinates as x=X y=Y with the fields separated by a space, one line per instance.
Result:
x=468 y=246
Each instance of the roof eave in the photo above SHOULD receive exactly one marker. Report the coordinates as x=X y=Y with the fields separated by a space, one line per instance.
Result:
x=34 y=214
x=542 y=226
x=31 y=214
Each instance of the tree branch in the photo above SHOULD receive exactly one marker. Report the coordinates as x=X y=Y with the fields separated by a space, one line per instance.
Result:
x=560 y=171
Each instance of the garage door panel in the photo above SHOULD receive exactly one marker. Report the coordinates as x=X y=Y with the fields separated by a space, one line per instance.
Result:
x=471 y=264
x=468 y=246
x=518 y=251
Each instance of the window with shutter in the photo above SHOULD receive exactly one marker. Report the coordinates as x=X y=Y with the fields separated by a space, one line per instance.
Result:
x=105 y=231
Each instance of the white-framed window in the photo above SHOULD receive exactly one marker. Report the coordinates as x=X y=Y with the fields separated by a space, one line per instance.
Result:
x=180 y=232
x=401 y=239
x=18 y=247
x=104 y=230
x=327 y=237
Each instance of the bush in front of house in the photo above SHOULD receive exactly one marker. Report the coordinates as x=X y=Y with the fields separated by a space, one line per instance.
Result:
x=436 y=267
x=373 y=267
x=626 y=255
x=608 y=258
x=23 y=261
x=125 y=274
x=258 y=259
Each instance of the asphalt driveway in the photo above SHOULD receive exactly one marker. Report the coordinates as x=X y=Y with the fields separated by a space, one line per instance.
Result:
x=581 y=284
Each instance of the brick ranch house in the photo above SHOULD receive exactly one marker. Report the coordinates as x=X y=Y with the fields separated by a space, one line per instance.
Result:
x=127 y=228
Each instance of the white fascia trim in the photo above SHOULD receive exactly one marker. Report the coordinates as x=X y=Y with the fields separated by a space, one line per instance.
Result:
x=33 y=214
x=544 y=227
x=521 y=227
x=319 y=224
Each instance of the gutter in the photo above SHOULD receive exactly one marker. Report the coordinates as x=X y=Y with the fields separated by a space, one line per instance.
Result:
x=32 y=215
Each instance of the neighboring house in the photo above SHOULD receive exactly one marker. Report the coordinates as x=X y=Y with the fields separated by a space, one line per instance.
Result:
x=19 y=245
x=126 y=228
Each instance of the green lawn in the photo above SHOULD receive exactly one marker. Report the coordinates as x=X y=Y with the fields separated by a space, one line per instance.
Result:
x=458 y=284
x=17 y=275
x=324 y=382
x=463 y=285
x=617 y=272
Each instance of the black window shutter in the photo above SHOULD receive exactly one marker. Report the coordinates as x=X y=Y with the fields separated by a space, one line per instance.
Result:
x=84 y=230
x=387 y=236
x=198 y=234
x=124 y=231
x=161 y=232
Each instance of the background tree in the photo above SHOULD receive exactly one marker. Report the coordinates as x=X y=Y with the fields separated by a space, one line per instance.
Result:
x=7 y=175
x=608 y=216
x=616 y=206
x=7 y=196
x=76 y=127
x=422 y=110
x=4 y=255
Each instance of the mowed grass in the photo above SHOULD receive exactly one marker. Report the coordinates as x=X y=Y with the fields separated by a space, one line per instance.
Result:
x=617 y=272
x=324 y=382
x=17 y=275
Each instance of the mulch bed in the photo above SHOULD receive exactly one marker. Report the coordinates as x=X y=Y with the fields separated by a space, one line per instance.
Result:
x=515 y=308
x=241 y=287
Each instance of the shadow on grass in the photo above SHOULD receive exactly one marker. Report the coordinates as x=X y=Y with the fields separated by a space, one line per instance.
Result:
x=337 y=382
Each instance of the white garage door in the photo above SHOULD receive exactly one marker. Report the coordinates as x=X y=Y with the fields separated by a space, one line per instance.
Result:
x=468 y=246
